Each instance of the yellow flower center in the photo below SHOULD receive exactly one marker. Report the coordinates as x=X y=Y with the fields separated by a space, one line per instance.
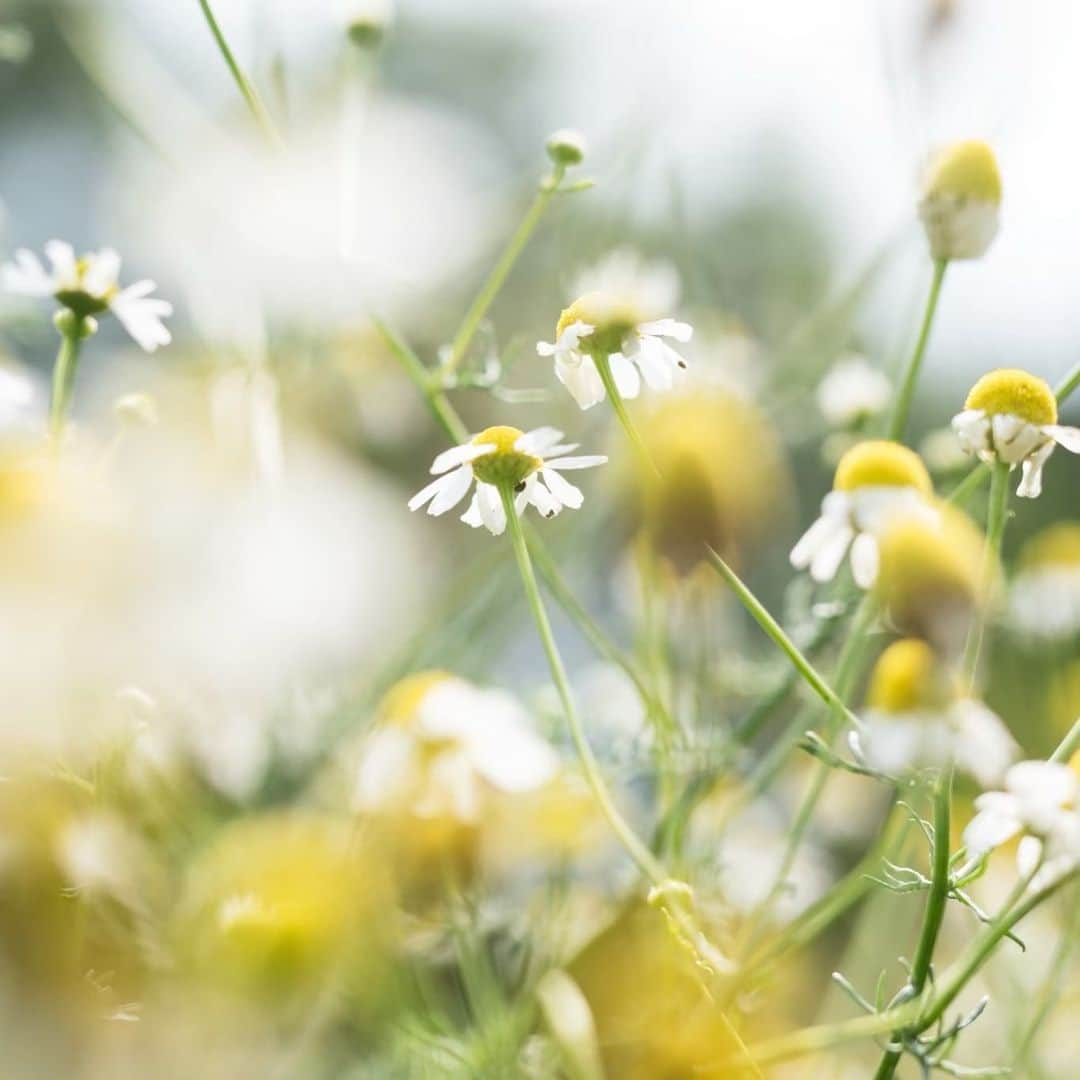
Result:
x=1015 y=393
x=880 y=463
x=1058 y=545
x=611 y=317
x=401 y=702
x=907 y=677
x=506 y=466
x=965 y=170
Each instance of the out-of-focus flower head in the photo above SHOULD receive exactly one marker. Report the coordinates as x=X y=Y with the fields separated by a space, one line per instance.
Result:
x=619 y=313
x=853 y=392
x=89 y=286
x=916 y=717
x=942 y=452
x=1044 y=599
x=367 y=21
x=528 y=463
x=22 y=409
x=723 y=481
x=1011 y=416
x=961 y=201
x=875 y=482
x=566 y=147
x=283 y=904
x=929 y=580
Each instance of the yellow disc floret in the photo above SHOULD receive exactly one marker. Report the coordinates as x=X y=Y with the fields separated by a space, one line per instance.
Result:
x=907 y=678
x=966 y=170
x=881 y=463
x=506 y=465
x=1059 y=545
x=401 y=702
x=1012 y=392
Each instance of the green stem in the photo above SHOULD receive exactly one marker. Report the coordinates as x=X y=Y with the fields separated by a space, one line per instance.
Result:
x=549 y=188
x=1067 y=384
x=932 y=918
x=72 y=333
x=603 y=366
x=244 y=84
x=642 y=856
x=996 y=517
x=902 y=408
x=1069 y=745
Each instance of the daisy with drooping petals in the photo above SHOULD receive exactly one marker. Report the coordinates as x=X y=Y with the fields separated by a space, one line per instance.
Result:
x=961 y=202
x=853 y=392
x=875 y=482
x=1011 y=416
x=618 y=317
x=528 y=463
x=1039 y=801
x=89 y=286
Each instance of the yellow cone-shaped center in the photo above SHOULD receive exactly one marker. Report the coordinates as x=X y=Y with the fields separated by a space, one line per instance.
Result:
x=881 y=463
x=965 y=170
x=505 y=465
x=1015 y=393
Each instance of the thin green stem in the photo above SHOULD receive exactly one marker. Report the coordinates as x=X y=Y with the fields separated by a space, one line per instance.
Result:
x=932 y=918
x=72 y=333
x=902 y=408
x=549 y=188
x=244 y=84
x=996 y=517
x=603 y=366
x=1069 y=745
x=1068 y=383
x=635 y=848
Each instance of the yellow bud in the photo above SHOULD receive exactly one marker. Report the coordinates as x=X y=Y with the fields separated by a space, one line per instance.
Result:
x=881 y=463
x=965 y=170
x=1059 y=545
x=906 y=678
x=505 y=466
x=1013 y=392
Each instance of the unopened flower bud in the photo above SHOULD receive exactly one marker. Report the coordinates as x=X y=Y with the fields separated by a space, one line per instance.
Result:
x=961 y=201
x=566 y=147
x=367 y=21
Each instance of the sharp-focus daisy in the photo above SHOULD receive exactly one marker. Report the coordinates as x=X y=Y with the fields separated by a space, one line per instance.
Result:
x=1039 y=803
x=1044 y=600
x=852 y=392
x=875 y=482
x=1011 y=416
x=961 y=201
x=442 y=745
x=618 y=315
x=530 y=464
x=89 y=286
x=915 y=718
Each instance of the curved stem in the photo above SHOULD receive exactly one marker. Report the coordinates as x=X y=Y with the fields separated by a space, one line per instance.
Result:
x=247 y=89
x=935 y=913
x=63 y=377
x=902 y=408
x=603 y=366
x=549 y=188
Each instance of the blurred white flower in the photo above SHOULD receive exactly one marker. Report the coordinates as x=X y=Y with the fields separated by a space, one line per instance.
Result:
x=530 y=463
x=853 y=391
x=89 y=286
x=21 y=401
x=1044 y=601
x=650 y=286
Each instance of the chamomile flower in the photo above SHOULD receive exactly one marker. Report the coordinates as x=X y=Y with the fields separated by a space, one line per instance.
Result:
x=916 y=718
x=88 y=287
x=530 y=463
x=1044 y=600
x=961 y=201
x=875 y=482
x=619 y=315
x=852 y=392
x=1039 y=804
x=1011 y=416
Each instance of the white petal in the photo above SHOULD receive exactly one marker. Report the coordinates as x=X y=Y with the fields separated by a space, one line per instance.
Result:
x=472 y=515
x=1047 y=781
x=102 y=272
x=426 y=493
x=459 y=455
x=984 y=746
x=453 y=488
x=864 y=560
x=1069 y=437
x=655 y=366
x=492 y=512
x=582 y=461
x=571 y=337
x=579 y=375
x=543 y=500
x=27 y=277
x=625 y=375
x=562 y=489
x=141 y=318
x=1030 y=486
x=811 y=541
x=828 y=558
x=988 y=830
x=545 y=348
x=972 y=429
x=1028 y=853
x=671 y=328
x=538 y=441
x=388 y=768
x=62 y=257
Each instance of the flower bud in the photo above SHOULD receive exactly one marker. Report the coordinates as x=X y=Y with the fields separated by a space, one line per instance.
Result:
x=961 y=200
x=566 y=147
x=367 y=21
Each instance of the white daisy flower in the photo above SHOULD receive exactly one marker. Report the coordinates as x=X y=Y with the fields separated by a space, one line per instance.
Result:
x=1039 y=802
x=875 y=482
x=530 y=463
x=915 y=720
x=443 y=745
x=1011 y=416
x=89 y=286
x=618 y=314
x=961 y=201
x=1044 y=599
x=853 y=391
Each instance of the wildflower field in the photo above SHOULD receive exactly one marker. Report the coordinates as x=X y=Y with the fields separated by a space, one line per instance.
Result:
x=539 y=538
